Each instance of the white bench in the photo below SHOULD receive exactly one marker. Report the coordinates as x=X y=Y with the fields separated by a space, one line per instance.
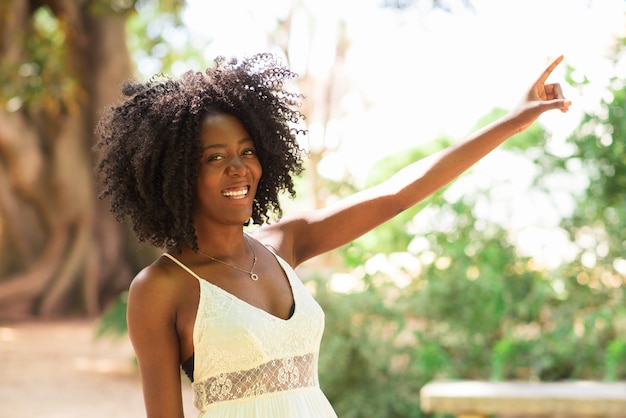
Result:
x=476 y=399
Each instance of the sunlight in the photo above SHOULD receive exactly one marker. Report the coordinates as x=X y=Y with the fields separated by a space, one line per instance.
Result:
x=417 y=75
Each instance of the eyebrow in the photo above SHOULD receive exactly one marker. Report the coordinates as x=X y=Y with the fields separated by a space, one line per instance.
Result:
x=241 y=141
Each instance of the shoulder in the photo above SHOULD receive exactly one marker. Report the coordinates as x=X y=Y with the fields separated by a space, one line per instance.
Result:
x=154 y=277
x=285 y=237
x=157 y=287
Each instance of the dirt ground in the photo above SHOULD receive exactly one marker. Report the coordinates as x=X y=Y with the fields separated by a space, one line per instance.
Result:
x=58 y=370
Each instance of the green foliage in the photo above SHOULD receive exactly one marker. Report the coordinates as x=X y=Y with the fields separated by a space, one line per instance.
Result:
x=477 y=309
x=615 y=359
x=366 y=370
x=39 y=83
x=159 y=41
x=113 y=321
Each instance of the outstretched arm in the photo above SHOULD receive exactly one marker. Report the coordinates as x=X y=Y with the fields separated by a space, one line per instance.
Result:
x=424 y=177
x=306 y=235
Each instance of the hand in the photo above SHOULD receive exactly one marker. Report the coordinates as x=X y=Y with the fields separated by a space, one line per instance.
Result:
x=542 y=97
x=550 y=95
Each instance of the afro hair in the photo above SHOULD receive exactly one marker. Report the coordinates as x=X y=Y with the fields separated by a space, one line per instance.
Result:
x=149 y=147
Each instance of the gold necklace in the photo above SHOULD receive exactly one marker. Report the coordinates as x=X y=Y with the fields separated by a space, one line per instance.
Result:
x=252 y=275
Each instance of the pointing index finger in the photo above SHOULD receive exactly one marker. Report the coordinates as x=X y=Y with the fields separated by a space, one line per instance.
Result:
x=544 y=76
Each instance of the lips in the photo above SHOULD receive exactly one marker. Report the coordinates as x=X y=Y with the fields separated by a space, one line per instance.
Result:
x=236 y=193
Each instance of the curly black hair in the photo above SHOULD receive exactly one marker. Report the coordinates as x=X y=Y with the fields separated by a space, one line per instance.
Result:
x=150 y=149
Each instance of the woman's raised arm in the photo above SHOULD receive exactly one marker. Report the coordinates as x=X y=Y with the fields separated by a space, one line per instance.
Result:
x=302 y=236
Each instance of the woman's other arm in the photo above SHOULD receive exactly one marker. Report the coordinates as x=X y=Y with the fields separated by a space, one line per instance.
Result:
x=151 y=317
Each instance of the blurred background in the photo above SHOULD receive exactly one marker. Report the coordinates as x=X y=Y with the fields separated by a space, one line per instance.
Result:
x=514 y=271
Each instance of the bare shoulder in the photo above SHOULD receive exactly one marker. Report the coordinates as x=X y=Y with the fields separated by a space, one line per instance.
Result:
x=283 y=236
x=154 y=304
x=157 y=287
x=303 y=235
x=154 y=277
x=156 y=301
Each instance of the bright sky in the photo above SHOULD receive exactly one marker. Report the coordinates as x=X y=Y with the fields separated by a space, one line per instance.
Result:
x=426 y=74
x=454 y=67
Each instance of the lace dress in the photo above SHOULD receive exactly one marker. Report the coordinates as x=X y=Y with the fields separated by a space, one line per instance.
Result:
x=249 y=363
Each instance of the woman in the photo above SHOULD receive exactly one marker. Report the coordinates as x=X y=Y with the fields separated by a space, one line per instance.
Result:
x=190 y=162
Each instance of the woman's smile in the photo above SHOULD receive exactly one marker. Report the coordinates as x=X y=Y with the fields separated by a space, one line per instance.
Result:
x=236 y=193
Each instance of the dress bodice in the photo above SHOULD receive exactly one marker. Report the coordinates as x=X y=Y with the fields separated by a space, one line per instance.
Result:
x=242 y=352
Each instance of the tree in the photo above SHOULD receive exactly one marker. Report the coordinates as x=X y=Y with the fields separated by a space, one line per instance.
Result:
x=62 y=62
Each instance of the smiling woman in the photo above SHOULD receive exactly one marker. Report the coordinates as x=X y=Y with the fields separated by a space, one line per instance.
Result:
x=192 y=160
x=150 y=164
x=228 y=174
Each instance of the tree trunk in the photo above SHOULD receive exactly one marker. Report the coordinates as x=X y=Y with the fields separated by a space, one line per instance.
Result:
x=62 y=252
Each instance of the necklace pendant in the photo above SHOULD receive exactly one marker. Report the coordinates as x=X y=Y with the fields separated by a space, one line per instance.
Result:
x=254 y=276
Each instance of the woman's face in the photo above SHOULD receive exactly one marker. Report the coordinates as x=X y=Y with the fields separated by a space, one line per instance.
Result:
x=229 y=172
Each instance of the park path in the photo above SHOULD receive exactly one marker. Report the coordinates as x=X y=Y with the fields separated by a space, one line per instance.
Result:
x=58 y=370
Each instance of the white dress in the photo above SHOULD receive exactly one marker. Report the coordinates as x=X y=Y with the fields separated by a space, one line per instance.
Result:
x=251 y=364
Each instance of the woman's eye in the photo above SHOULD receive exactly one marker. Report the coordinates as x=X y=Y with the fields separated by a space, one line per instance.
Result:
x=216 y=157
x=249 y=151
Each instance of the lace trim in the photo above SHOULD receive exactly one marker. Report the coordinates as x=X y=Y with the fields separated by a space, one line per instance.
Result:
x=273 y=376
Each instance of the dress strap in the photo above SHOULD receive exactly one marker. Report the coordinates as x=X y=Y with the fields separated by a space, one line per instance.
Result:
x=181 y=265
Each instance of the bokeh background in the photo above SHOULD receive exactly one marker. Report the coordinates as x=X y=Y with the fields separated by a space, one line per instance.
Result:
x=514 y=271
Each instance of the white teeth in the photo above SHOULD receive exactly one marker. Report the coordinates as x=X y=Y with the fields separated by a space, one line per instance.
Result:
x=240 y=193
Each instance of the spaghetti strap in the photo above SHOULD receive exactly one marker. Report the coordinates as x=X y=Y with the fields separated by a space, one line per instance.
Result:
x=181 y=265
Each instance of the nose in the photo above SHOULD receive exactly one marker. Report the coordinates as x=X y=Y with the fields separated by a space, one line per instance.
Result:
x=237 y=167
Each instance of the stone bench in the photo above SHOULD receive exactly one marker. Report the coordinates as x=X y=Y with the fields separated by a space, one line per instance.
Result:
x=476 y=399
